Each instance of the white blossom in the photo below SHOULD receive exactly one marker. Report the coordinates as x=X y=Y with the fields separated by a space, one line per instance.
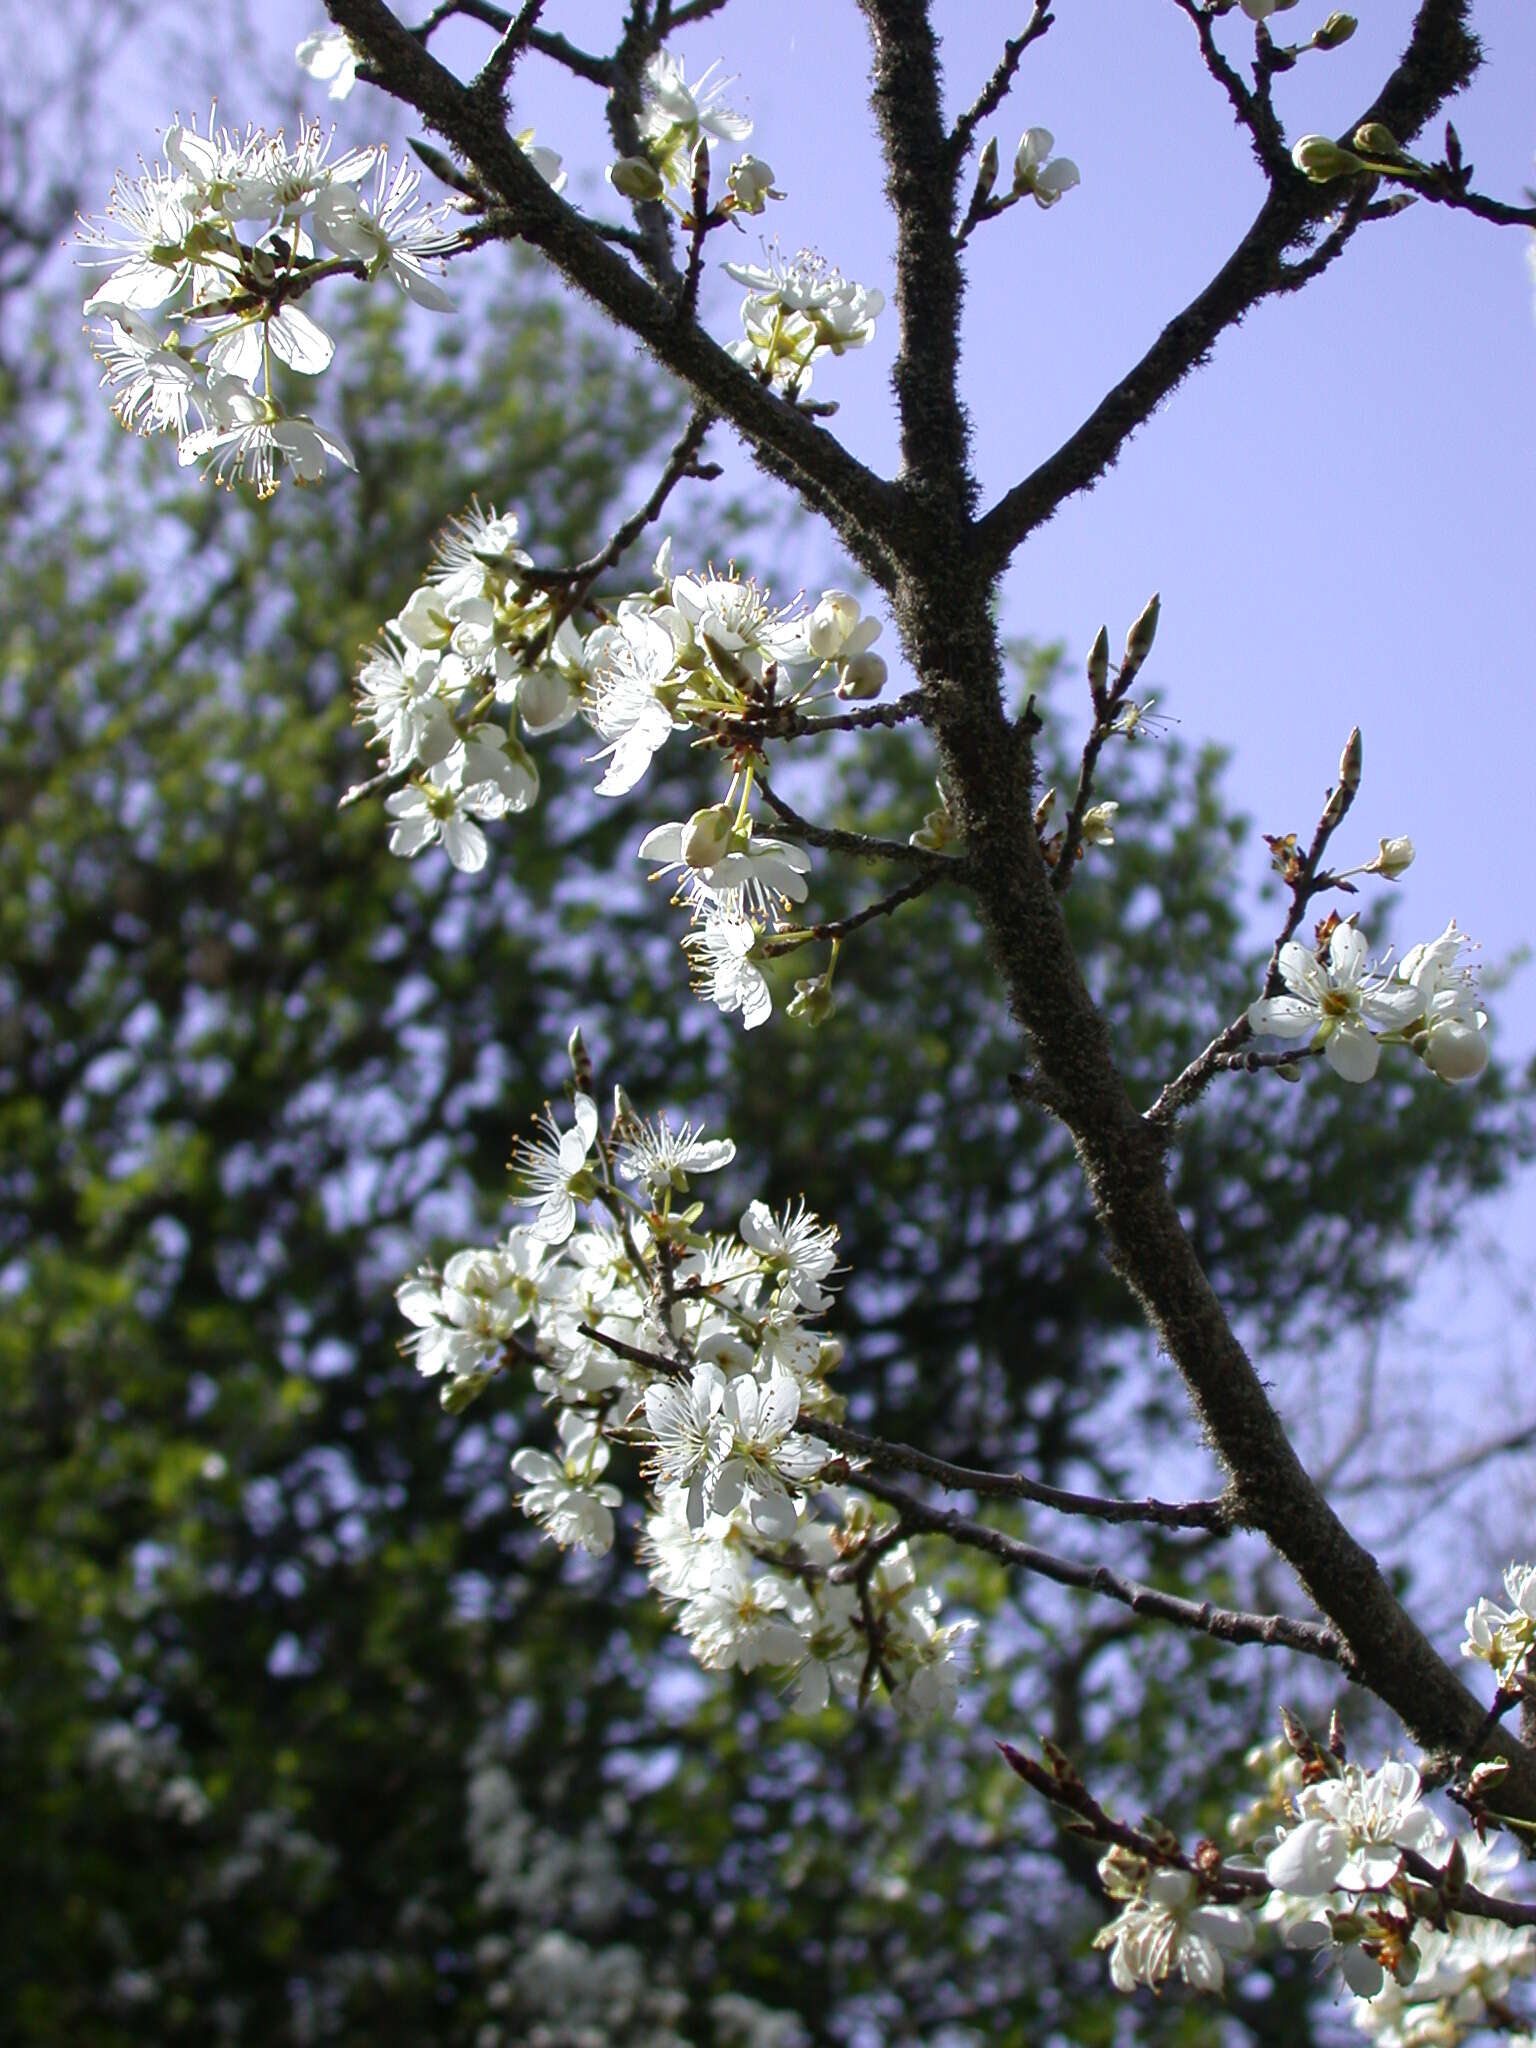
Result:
x=1169 y=1927
x=395 y=236
x=555 y=1170
x=564 y=1493
x=1504 y=1637
x=1033 y=173
x=719 y=950
x=663 y=1157
x=329 y=56
x=1351 y=1832
x=1335 y=1003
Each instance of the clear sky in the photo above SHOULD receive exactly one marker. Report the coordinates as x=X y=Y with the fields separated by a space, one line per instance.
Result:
x=1337 y=511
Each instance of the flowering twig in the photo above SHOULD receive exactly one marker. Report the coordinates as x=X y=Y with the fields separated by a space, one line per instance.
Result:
x=862 y=845
x=993 y=93
x=1305 y=881
x=1191 y=1514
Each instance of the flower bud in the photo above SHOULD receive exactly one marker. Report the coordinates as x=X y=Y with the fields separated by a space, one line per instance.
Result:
x=813 y=1001
x=986 y=172
x=832 y=621
x=1138 y=642
x=1374 y=138
x=1351 y=761
x=1322 y=160
x=1455 y=1051
x=707 y=836
x=463 y=1388
x=1337 y=29
x=1098 y=664
x=1394 y=859
x=635 y=177
x=863 y=677
x=1044 y=808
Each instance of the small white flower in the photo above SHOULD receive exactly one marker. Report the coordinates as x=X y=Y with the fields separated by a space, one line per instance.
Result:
x=1351 y=1832
x=555 y=1170
x=765 y=1456
x=630 y=661
x=1033 y=173
x=724 y=974
x=753 y=877
x=1452 y=1039
x=692 y=1436
x=393 y=236
x=157 y=390
x=796 y=1247
x=1504 y=1637
x=676 y=116
x=1336 y=1003
x=1168 y=1928
x=436 y=808
x=329 y=56
x=564 y=1494
x=664 y=1158
x=250 y=439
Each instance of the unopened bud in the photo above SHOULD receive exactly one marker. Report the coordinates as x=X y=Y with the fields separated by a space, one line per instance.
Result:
x=1337 y=29
x=1394 y=859
x=1043 y=810
x=707 y=836
x=463 y=1388
x=1454 y=1050
x=1098 y=664
x=863 y=677
x=635 y=177
x=986 y=172
x=1351 y=761
x=1138 y=642
x=581 y=1060
x=1374 y=138
x=1322 y=160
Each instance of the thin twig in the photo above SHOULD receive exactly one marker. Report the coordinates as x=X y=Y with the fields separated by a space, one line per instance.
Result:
x=840 y=927
x=1226 y=1624
x=993 y=93
x=680 y=463
x=1305 y=882
x=1190 y=1514
x=862 y=845
x=491 y=79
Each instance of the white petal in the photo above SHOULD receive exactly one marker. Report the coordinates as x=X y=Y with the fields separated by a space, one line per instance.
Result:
x=1352 y=1052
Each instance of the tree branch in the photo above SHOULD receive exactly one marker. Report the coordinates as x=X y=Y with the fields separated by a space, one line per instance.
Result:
x=1226 y=1624
x=1189 y=1514
x=995 y=91
x=862 y=845
x=859 y=505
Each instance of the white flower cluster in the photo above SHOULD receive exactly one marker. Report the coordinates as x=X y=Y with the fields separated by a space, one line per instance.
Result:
x=1431 y=1004
x=700 y=1350
x=1504 y=1637
x=1335 y=1841
x=795 y=313
x=210 y=253
x=690 y=652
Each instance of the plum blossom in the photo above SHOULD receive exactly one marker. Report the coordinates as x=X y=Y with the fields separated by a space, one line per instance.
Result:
x=330 y=57
x=394 y=236
x=1504 y=1637
x=555 y=1171
x=1033 y=173
x=766 y=1457
x=663 y=1158
x=1165 y=1925
x=1452 y=1035
x=1351 y=1832
x=797 y=1248
x=1335 y=1003
x=676 y=117
x=692 y=1435
x=719 y=951
x=564 y=1493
